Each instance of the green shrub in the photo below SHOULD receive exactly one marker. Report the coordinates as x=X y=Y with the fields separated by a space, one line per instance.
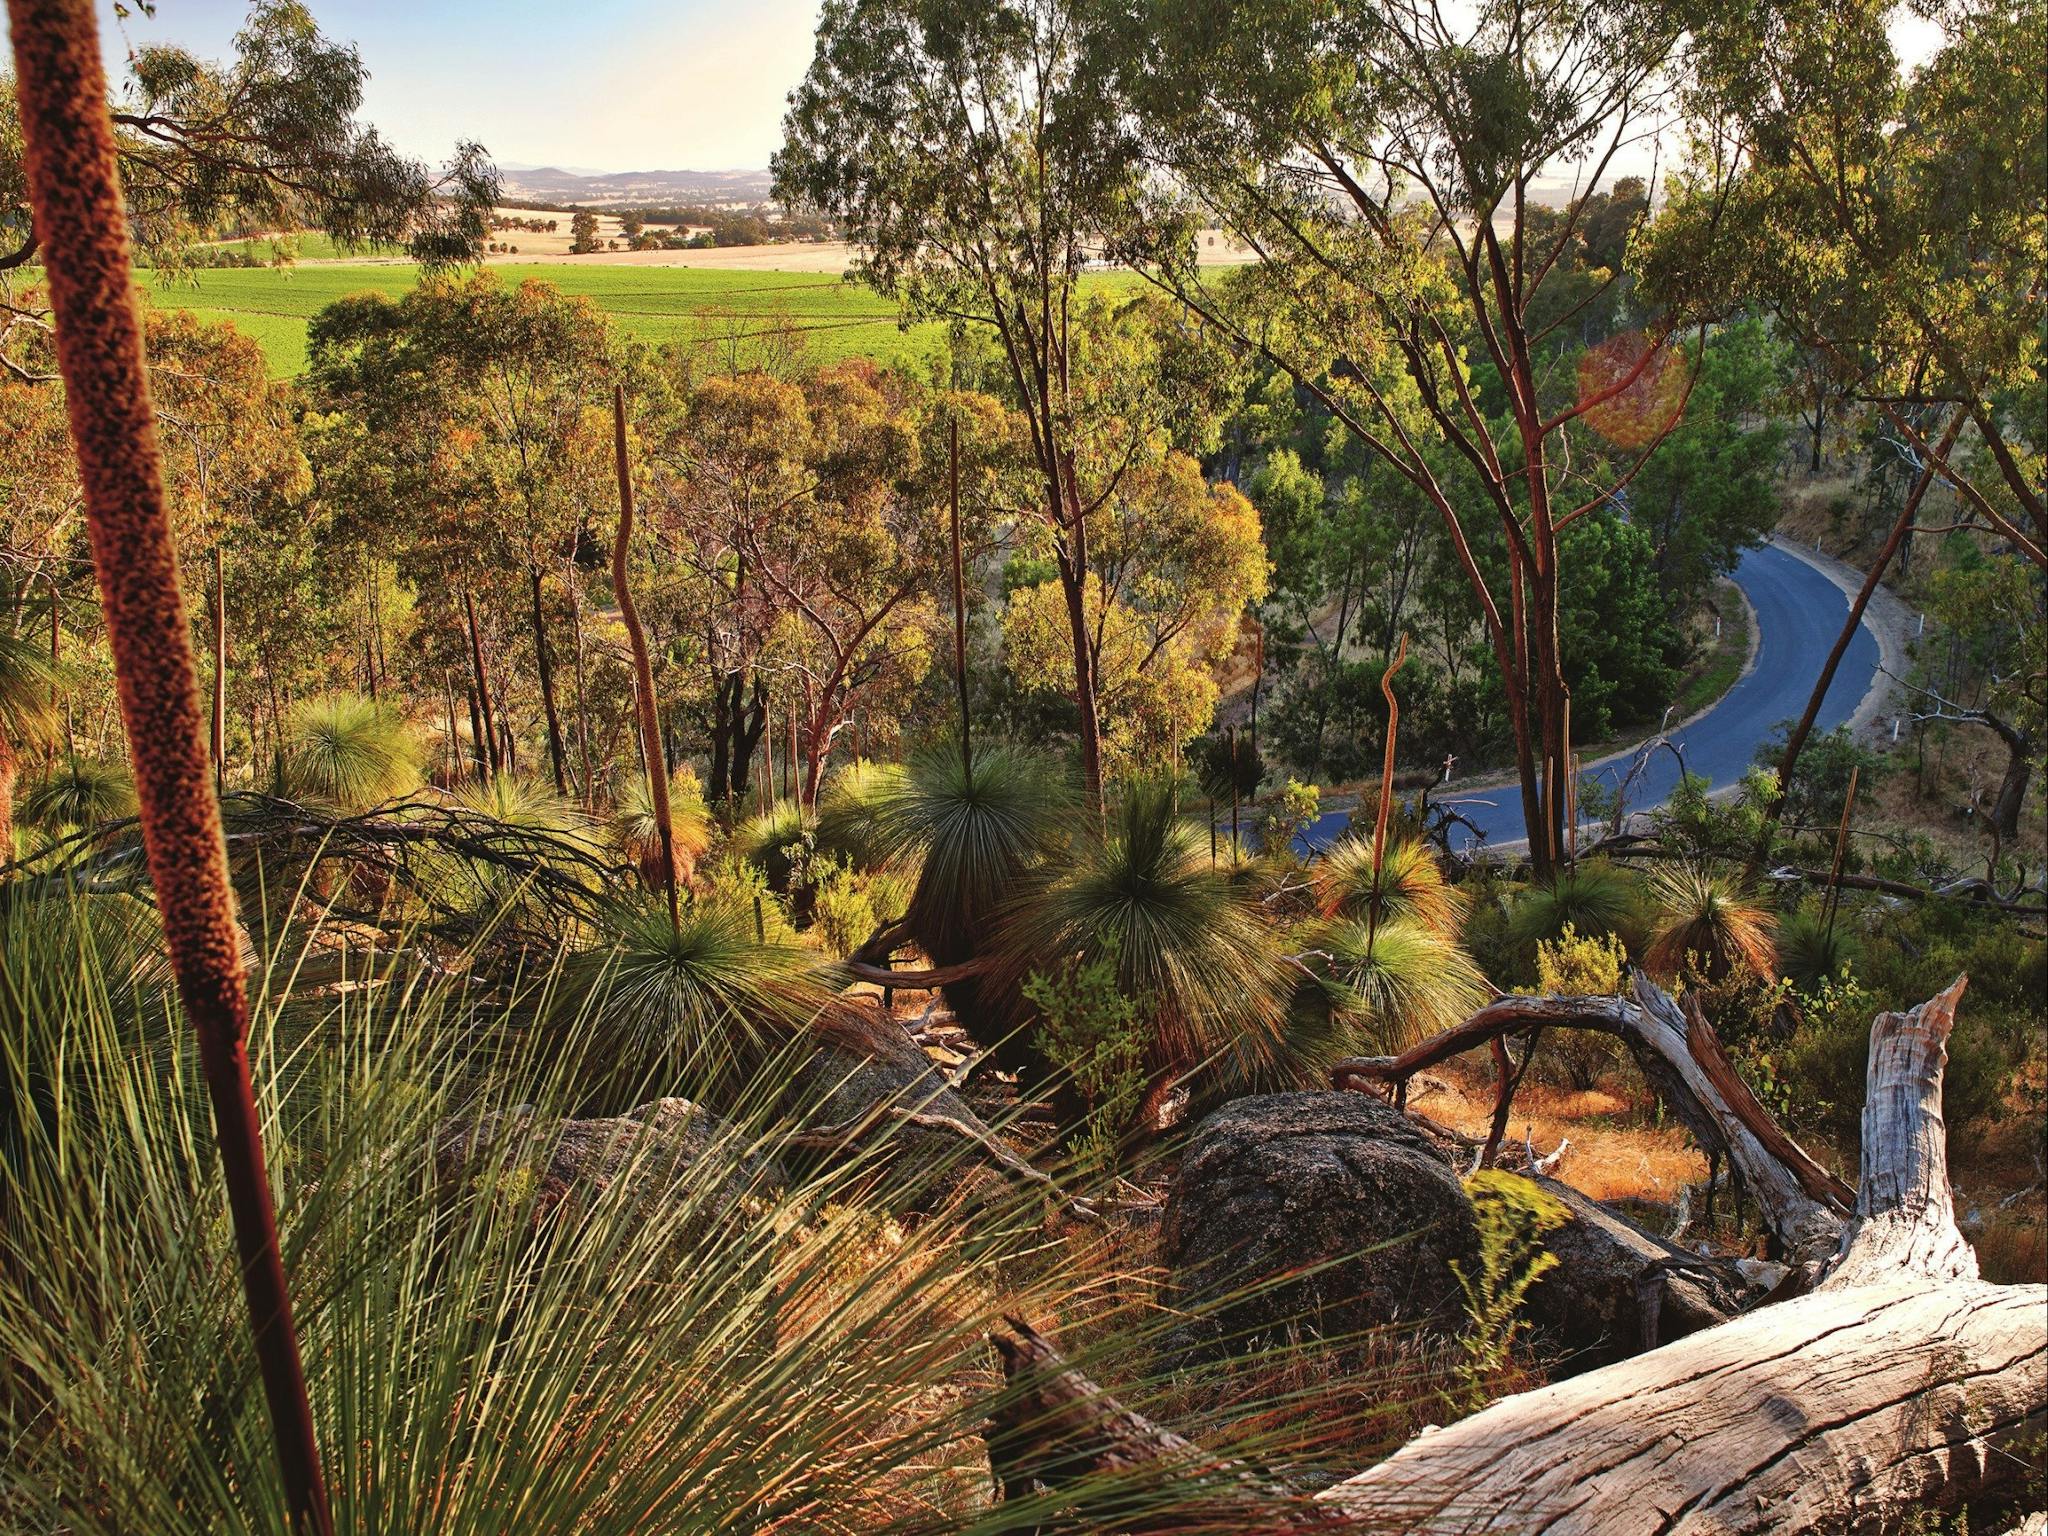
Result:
x=1093 y=1033
x=1513 y=1215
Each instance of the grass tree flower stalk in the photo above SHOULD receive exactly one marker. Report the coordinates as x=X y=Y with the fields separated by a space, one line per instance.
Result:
x=81 y=224
x=643 y=670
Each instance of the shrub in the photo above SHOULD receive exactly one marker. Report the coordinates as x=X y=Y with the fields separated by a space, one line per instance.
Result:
x=1287 y=813
x=1571 y=966
x=1092 y=1032
x=1513 y=1216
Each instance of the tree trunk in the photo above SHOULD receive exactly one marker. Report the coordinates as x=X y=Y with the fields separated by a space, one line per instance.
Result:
x=1684 y=1062
x=1073 y=584
x=1901 y=1384
x=2012 y=789
x=544 y=664
x=487 y=721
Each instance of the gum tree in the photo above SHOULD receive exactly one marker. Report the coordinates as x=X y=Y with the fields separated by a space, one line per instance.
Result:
x=1384 y=164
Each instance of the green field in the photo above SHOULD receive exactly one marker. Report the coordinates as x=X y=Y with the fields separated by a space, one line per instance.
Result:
x=650 y=304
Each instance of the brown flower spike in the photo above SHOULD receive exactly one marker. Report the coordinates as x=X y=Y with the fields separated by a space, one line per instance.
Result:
x=83 y=229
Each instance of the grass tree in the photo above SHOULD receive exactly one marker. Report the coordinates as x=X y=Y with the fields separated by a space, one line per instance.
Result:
x=79 y=792
x=1708 y=927
x=1187 y=943
x=28 y=718
x=81 y=220
x=349 y=753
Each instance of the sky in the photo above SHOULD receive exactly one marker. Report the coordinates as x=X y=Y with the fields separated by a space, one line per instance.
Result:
x=609 y=85
x=589 y=85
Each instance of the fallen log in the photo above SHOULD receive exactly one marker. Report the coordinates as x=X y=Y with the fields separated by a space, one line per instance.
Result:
x=1901 y=1384
x=1684 y=1061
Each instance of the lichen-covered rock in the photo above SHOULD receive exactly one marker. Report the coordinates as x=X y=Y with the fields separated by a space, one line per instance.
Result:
x=864 y=1070
x=673 y=1155
x=1335 y=1189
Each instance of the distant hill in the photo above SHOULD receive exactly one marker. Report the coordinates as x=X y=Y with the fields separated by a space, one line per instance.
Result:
x=551 y=185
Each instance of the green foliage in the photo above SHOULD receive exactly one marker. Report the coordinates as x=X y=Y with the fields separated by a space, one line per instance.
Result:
x=1384 y=987
x=79 y=792
x=1570 y=966
x=1183 y=938
x=1699 y=827
x=1615 y=631
x=1813 y=948
x=638 y=834
x=1514 y=1216
x=349 y=753
x=849 y=806
x=1820 y=783
x=1287 y=813
x=977 y=833
x=692 y=1000
x=483 y=1341
x=1092 y=1033
x=1596 y=898
x=777 y=841
x=1408 y=881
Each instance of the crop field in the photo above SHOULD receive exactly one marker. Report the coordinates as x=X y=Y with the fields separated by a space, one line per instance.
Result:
x=652 y=304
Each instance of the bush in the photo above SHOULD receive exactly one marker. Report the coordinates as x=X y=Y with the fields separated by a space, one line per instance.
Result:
x=1571 y=966
x=1094 y=1036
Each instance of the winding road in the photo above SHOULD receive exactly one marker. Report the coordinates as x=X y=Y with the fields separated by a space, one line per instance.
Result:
x=1799 y=612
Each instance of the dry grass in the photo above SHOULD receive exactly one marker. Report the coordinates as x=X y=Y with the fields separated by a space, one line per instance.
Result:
x=1617 y=1152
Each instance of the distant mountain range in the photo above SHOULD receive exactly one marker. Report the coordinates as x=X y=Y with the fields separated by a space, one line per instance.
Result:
x=549 y=184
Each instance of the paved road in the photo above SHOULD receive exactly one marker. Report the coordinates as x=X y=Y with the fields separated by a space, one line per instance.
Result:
x=1799 y=613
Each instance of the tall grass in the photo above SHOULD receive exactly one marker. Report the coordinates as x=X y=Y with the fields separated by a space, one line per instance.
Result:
x=696 y=1347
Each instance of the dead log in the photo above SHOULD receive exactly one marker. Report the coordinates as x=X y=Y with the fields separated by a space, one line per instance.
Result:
x=1684 y=1061
x=1901 y=1384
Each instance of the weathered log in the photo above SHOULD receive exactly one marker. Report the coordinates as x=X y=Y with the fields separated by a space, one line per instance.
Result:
x=1802 y=1203
x=1618 y=1290
x=1901 y=1384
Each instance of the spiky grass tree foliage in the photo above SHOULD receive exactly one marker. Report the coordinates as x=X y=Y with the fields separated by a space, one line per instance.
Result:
x=849 y=812
x=773 y=841
x=1595 y=898
x=1707 y=927
x=349 y=753
x=79 y=792
x=975 y=834
x=1189 y=946
x=697 y=1003
x=28 y=718
x=685 y=1341
x=1409 y=882
x=1811 y=949
x=637 y=829
x=1376 y=990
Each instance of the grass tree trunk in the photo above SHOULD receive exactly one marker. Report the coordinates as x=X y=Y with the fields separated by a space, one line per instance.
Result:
x=646 y=708
x=545 y=665
x=81 y=220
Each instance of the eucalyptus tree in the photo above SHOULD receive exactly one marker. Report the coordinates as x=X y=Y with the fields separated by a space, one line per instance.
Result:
x=478 y=410
x=270 y=139
x=977 y=166
x=1893 y=222
x=1384 y=165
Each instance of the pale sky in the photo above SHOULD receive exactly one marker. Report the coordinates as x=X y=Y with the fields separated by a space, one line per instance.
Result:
x=610 y=85
x=604 y=85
